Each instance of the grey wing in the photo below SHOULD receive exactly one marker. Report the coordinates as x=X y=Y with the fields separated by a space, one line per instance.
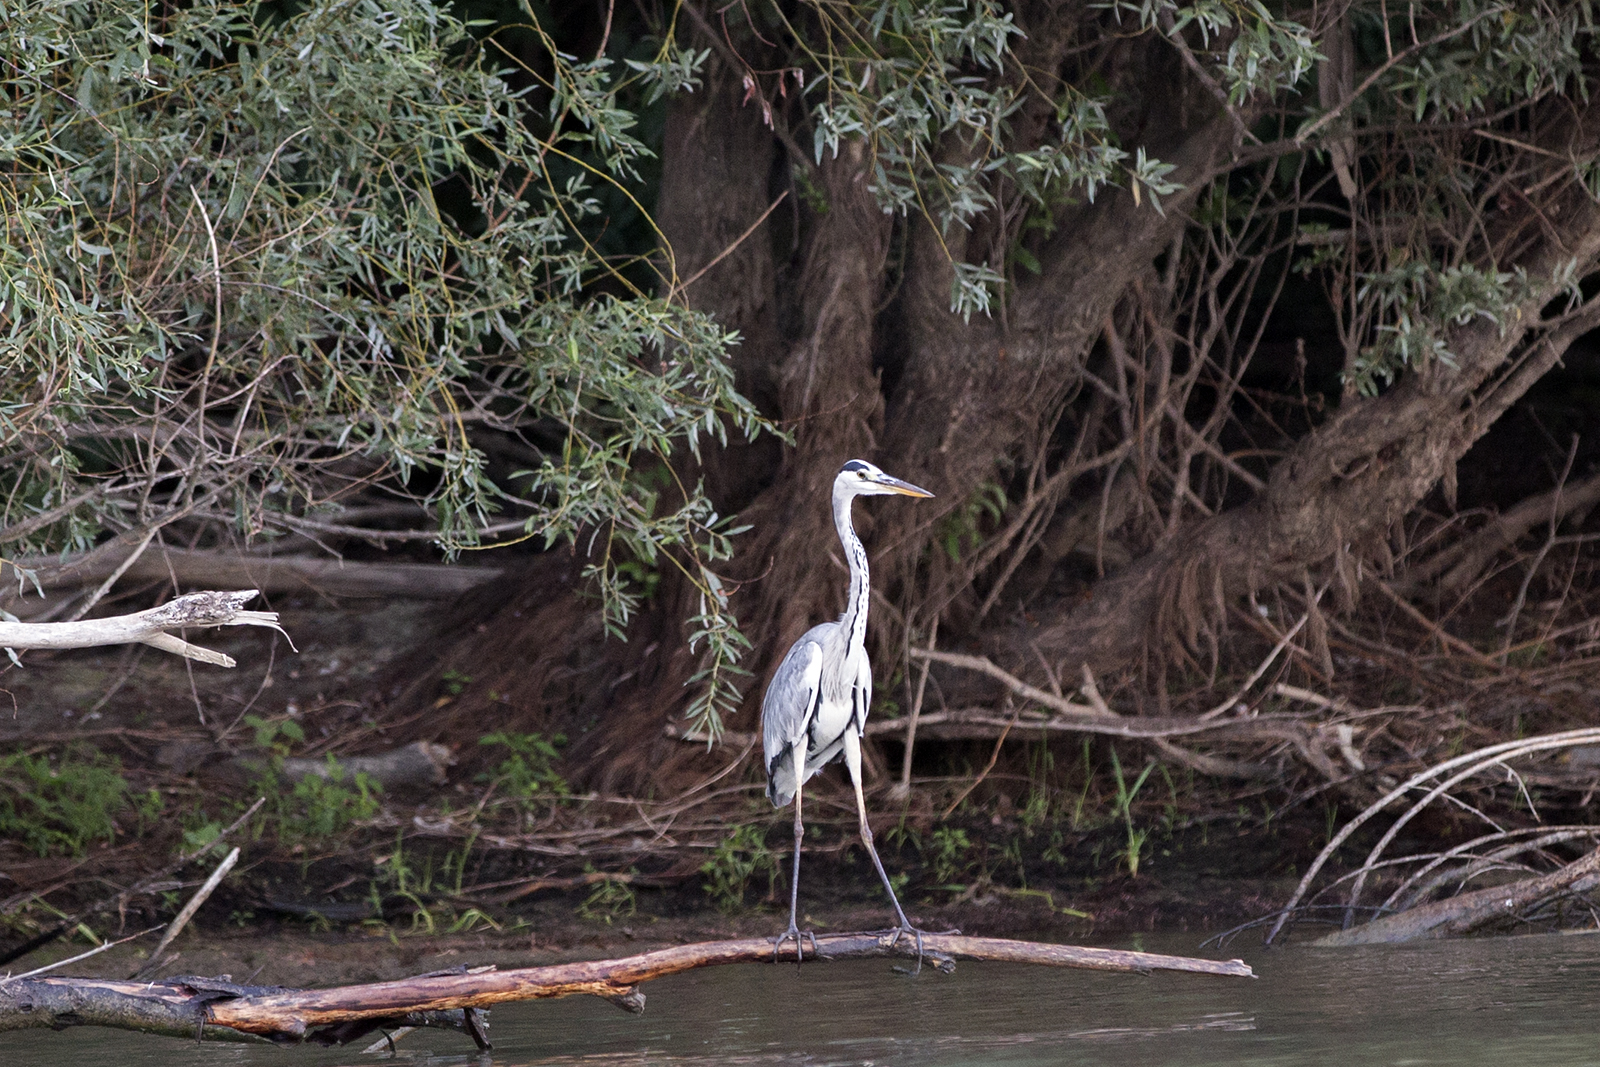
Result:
x=786 y=713
x=861 y=693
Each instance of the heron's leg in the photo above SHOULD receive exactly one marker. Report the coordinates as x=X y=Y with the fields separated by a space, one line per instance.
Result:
x=852 y=761
x=794 y=882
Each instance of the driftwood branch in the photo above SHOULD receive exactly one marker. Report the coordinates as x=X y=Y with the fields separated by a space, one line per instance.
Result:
x=147 y=627
x=1468 y=912
x=1448 y=774
x=216 y=1008
x=978 y=723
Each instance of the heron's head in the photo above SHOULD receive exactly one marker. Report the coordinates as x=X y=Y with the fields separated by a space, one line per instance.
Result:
x=860 y=478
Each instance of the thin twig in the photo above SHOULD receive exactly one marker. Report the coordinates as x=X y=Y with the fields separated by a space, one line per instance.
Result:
x=1262 y=669
x=1434 y=628
x=696 y=276
x=80 y=956
x=993 y=757
x=916 y=708
x=984 y=665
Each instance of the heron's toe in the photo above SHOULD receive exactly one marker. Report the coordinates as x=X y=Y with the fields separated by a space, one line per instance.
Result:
x=796 y=934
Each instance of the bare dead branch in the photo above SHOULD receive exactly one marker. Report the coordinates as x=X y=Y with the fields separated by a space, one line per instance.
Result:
x=984 y=665
x=201 y=895
x=147 y=627
x=1473 y=762
x=1467 y=912
x=190 y=1007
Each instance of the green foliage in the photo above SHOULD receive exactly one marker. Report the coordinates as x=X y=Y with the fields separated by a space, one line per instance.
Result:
x=276 y=736
x=741 y=856
x=321 y=806
x=60 y=808
x=1263 y=53
x=419 y=881
x=1492 y=54
x=1133 y=850
x=1417 y=302
x=1036 y=807
x=455 y=683
x=907 y=79
x=528 y=772
x=948 y=853
x=962 y=529
x=201 y=833
x=262 y=269
x=610 y=900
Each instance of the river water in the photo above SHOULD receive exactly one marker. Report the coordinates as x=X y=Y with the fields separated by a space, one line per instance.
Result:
x=1509 y=1002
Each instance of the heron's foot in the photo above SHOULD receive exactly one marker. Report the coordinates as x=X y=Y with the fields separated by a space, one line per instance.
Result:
x=798 y=936
x=908 y=930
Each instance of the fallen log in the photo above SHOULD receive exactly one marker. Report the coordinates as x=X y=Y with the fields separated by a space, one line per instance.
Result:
x=1468 y=912
x=218 y=1009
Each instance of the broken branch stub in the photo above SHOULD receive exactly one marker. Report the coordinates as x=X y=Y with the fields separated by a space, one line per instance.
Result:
x=148 y=627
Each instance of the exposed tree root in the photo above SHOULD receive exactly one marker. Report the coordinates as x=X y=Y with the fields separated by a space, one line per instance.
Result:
x=216 y=1008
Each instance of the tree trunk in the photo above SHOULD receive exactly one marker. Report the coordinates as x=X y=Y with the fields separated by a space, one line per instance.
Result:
x=1347 y=482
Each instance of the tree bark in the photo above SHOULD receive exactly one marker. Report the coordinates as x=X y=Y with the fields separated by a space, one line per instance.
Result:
x=1351 y=478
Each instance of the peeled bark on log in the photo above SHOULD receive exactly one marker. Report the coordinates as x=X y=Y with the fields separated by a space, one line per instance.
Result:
x=198 y=1007
x=1468 y=912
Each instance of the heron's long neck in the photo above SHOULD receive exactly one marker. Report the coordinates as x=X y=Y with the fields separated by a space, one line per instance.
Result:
x=854 y=619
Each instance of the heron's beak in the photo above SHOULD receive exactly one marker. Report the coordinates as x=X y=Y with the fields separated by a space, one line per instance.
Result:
x=895 y=485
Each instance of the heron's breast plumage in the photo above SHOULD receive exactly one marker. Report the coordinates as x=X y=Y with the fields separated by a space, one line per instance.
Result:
x=819 y=692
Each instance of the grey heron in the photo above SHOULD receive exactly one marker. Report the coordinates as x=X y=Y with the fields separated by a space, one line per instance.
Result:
x=815 y=708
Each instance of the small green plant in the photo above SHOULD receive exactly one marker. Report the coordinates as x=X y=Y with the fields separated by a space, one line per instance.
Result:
x=275 y=735
x=742 y=855
x=1134 y=850
x=1054 y=852
x=1036 y=808
x=528 y=772
x=1082 y=800
x=950 y=846
x=470 y=920
x=455 y=683
x=610 y=900
x=200 y=833
x=962 y=529
x=147 y=808
x=60 y=809
x=322 y=806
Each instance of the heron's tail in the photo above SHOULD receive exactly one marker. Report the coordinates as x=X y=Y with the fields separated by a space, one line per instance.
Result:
x=781 y=778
